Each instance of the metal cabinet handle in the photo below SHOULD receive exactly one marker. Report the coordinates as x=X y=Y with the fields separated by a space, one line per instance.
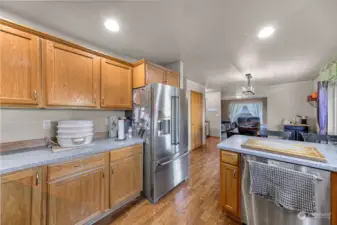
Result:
x=35 y=95
x=37 y=179
x=234 y=173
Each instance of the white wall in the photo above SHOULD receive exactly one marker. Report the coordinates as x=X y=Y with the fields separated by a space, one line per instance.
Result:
x=193 y=86
x=213 y=112
x=285 y=101
x=26 y=124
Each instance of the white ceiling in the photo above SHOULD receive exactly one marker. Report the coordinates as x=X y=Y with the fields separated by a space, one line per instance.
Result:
x=216 y=39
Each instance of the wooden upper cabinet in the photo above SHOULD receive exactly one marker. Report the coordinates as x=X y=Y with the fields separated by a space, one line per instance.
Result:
x=20 y=70
x=173 y=79
x=229 y=188
x=146 y=73
x=21 y=198
x=154 y=74
x=116 y=85
x=72 y=76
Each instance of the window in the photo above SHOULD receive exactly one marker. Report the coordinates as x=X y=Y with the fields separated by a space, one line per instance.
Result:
x=245 y=110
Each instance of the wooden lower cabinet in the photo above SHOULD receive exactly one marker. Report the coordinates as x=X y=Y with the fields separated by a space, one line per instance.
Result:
x=21 y=198
x=77 y=195
x=126 y=174
x=230 y=183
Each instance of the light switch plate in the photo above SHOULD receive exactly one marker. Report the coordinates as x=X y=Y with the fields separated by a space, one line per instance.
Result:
x=46 y=124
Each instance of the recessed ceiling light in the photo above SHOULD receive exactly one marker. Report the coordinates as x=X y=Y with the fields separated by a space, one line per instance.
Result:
x=266 y=32
x=111 y=25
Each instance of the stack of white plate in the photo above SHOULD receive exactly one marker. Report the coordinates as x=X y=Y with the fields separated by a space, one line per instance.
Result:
x=72 y=133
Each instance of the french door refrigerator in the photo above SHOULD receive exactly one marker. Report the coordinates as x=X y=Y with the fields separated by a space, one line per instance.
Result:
x=160 y=118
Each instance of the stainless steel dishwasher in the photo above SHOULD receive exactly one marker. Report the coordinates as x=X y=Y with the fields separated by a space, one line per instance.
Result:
x=256 y=210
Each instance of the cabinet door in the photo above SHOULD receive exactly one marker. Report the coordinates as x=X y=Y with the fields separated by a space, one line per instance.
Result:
x=21 y=198
x=71 y=76
x=116 y=85
x=19 y=67
x=126 y=179
x=229 y=188
x=173 y=79
x=77 y=198
x=154 y=74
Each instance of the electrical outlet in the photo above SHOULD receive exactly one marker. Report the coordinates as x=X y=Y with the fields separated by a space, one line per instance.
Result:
x=46 y=124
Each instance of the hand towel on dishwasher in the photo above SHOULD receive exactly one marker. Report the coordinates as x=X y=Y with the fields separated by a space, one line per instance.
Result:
x=293 y=190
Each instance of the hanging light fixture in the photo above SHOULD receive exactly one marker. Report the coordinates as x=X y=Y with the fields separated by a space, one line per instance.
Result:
x=249 y=90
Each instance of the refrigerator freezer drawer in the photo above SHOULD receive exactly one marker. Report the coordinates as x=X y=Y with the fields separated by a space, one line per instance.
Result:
x=169 y=174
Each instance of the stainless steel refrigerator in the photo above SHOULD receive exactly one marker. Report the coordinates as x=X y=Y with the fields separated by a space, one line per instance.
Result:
x=160 y=117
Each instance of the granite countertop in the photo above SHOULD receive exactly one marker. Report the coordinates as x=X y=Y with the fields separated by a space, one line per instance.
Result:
x=329 y=151
x=42 y=156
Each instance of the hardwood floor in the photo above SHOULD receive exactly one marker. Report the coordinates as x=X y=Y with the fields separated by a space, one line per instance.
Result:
x=193 y=202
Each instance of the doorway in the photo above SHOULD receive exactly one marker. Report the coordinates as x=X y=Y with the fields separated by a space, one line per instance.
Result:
x=196 y=119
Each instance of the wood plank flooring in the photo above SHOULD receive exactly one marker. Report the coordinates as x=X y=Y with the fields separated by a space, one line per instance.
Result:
x=193 y=202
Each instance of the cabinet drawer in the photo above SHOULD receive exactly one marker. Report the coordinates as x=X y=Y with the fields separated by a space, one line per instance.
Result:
x=79 y=165
x=125 y=152
x=230 y=157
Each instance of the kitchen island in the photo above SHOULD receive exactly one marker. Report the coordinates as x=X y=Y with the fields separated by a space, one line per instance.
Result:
x=233 y=180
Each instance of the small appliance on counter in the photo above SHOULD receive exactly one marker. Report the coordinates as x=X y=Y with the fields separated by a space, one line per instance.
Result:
x=73 y=133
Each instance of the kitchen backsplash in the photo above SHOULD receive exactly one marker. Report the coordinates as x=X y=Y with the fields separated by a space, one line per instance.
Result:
x=27 y=124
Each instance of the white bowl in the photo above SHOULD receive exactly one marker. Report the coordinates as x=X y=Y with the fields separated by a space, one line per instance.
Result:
x=66 y=141
x=75 y=122
x=75 y=135
x=74 y=130
x=75 y=126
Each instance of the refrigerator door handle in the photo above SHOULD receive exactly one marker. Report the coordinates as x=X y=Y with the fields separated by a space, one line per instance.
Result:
x=168 y=162
x=175 y=120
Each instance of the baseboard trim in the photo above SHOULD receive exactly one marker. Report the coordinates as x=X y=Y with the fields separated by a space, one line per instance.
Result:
x=109 y=216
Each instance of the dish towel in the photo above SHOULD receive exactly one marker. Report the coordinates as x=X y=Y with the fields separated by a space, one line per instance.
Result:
x=293 y=190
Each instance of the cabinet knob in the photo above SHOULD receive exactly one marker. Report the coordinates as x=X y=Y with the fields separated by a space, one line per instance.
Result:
x=112 y=171
x=102 y=101
x=234 y=173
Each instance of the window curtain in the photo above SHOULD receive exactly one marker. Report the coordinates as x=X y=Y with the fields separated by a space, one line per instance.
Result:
x=235 y=110
x=332 y=108
x=256 y=110
x=322 y=109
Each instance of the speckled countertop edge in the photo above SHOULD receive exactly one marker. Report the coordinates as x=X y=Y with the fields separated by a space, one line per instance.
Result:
x=44 y=156
x=329 y=152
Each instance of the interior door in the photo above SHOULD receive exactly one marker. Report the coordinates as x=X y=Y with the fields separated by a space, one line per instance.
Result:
x=196 y=119
x=116 y=85
x=19 y=67
x=71 y=76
